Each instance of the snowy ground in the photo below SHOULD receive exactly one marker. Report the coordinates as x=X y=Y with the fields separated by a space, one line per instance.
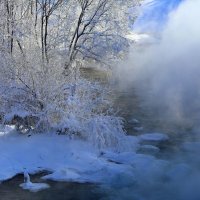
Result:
x=70 y=160
x=123 y=175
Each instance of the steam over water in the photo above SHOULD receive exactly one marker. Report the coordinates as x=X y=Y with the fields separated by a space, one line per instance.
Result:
x=165 y=75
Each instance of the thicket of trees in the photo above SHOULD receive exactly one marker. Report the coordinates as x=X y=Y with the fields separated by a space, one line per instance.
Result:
x=43 y=43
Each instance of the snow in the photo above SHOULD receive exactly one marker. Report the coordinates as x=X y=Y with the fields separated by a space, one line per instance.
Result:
x=137 y=37
x=155 y=137
x=138 y=128
x=67 y=159
x=141 y=38
x=134 y=121
x=34 y=187
x=72 y=160
x=64 y=175
x=6 y=130
x=149 y=149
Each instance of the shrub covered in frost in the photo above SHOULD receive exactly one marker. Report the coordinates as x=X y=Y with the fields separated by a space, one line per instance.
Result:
x=40 y=99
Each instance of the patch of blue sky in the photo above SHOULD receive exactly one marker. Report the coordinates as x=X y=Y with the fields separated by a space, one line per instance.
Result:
x=154 y=14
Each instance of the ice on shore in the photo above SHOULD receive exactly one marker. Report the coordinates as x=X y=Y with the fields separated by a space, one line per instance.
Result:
x=149 y=149
x=34 y=187
x=73 y=160
x=63 y=175
x=66 y=159
x=154 y=137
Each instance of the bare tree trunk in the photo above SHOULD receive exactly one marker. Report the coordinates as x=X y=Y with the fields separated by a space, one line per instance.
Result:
x=10 y=24
x=45 y=38
x=42 y=30
x=47 y=7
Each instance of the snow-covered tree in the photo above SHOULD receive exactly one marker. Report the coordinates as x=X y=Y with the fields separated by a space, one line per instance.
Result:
x=42 y=45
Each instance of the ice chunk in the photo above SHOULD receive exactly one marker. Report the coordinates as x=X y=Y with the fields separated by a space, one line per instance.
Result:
x=34 y=187
x=63 y=175
x=138 y=128
x=134 y=121
x=155 y=137
x=149 y=149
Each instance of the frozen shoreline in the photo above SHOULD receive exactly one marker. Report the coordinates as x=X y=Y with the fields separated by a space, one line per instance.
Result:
x=124 y=175
x=70 y=160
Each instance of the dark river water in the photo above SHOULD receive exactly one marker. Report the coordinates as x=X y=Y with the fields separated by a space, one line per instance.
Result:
x=131 y=109
x=10 y=190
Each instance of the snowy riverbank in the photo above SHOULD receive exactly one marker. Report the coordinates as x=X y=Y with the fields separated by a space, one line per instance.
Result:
x=121 y=175
x=71 y=160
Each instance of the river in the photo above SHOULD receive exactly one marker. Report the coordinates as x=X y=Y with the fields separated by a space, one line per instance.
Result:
x=131 y=108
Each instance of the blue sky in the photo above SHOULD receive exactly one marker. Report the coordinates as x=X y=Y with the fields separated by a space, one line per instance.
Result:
x=154 y=14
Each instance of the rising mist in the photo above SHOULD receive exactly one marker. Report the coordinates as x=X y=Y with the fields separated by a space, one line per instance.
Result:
x=166 y=72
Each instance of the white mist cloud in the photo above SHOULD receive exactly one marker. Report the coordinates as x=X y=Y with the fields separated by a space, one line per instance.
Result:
x=168 y=72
